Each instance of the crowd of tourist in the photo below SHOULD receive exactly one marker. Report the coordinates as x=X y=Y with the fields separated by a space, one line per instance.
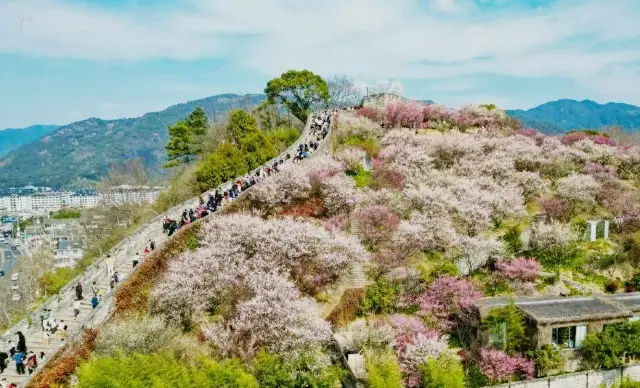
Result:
x=318 y=131
x=220 y=198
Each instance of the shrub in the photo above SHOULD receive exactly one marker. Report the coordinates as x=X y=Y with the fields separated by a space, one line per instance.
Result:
x=227 y=162
x=282 y=138
x=556 y=209
x=348 y=307
x=512 y=241
x=383 y=370
x=578 y=187
x=506 y=326
x=309 y=370
x=134 y=335
x=624 y=383
x=521 y=268
x=546 y=359
x=369 y=113
x=53 y=281
x=379 y=298
x=610 y=348
x=375 y=334
x=146 y=370
x=445 y=371
x=498 y=366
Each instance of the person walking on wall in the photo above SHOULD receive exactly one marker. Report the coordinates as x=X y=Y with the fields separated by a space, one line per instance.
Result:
x=110 y=265
x=22 y=343
x=79 y=291
x=136 y=259
x=76 y=309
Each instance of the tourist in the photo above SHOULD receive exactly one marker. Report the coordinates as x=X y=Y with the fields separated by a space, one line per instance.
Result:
x=32 y=362
x=64 y=333
x=112 y=284
x=3 y=361
x=152 y=245
x=147 y=250
x=116 y=277
x=110 y=265
x=76 y=309
x=42 y=356
x=47 y=336
x=94 y=301
x=79 y=291
x=94 y=288
x=136 y=259
x=22 y=343
x=19 y=359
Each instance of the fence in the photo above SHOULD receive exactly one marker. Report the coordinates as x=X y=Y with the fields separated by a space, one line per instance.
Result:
x=585 y=379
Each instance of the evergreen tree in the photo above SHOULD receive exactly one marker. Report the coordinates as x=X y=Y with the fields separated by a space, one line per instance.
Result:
x=186 y=138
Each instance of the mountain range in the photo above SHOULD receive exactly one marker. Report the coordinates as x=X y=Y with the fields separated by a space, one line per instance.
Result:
x=13 y=138
x=80 y=153
x=564 y=115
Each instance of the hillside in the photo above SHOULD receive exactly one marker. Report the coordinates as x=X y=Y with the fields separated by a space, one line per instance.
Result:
x=563 y=115
x=13 y=138
x=81 y=152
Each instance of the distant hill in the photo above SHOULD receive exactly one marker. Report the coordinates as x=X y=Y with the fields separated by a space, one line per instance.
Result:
x=13 y=138
x=564 y=115
x=80 y=153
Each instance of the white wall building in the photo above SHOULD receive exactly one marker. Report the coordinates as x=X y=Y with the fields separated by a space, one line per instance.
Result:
x=45 y=202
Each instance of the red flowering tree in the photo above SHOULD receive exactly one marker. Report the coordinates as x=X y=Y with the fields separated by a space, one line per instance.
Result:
x=369 y=112
x=376 y=224
x=498 y=366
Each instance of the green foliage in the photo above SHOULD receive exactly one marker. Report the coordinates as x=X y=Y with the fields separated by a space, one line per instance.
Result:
x=558 y=257
x=282 y=138
x=624 y=383
x=488 y=106
x=370 y=146
x=198 y=122
x=380 y=298
x=272 y=371
x=547 y=359
x=65 y=214
x=443 y=372
x=298 y=91
x=257 y=148
x=186 y=137
x=512 y=240
x=383 y=370
x=227 y=162
x=506 y=326
x=161 y=370
x=475 y=378
x=53 y=281
x=241 y=124
x=362 y=177
x=436 y=266
x=611 y=347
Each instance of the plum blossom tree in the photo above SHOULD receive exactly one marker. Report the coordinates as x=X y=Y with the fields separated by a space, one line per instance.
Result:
x=339 y=193
x=498 y=366
x=351 y=158
x=447 y=299
x=552 y=235
x=376 y=224
x=476 y=252
x=555 y=208
x=276 y=318
x=521 y=268
x=237 y=245
x=578 y=187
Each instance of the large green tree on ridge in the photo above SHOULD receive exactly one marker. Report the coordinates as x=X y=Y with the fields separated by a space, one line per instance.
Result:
x=298 y=91
x=185 y=138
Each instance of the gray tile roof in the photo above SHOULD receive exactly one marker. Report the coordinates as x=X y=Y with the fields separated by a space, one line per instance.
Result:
x=547 y=310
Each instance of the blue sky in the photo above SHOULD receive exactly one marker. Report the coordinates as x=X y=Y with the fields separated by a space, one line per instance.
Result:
x=66 y=60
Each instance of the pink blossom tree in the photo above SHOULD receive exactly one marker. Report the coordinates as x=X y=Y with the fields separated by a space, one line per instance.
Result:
x=447 y=299
x=498 y=366
x=376 y=224
x=521 y=268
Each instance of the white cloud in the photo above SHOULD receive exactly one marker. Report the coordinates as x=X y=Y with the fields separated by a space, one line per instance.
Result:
x=446 y=5
x=369 y=39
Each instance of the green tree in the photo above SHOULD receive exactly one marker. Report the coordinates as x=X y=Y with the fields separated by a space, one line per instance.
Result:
x=240 y=125
x=547 y=359
x=383 y=370
x=443 y=372
x=298 y=91
x=506 y=326
x=225 y=163
x=186 y=138
x=380 y=298
x=272 y=371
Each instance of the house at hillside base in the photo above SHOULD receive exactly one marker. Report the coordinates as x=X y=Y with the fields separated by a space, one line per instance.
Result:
x=564 y=321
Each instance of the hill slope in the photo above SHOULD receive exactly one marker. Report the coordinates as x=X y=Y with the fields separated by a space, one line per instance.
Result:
x=563 y=115
x=81 y=152
x=13 y=138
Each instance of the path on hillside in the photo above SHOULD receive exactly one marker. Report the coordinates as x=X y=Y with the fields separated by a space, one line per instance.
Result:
x=123 y=254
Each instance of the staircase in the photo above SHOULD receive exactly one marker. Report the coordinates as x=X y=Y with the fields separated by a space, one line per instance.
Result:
x=123 y=253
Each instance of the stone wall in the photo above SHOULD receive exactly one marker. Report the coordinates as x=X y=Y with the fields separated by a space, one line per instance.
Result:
x=585 y=379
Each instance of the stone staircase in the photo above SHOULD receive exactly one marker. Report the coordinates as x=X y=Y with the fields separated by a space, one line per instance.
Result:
x=123 y=254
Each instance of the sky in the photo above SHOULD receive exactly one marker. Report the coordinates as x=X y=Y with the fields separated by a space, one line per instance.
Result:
x=67 y=60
